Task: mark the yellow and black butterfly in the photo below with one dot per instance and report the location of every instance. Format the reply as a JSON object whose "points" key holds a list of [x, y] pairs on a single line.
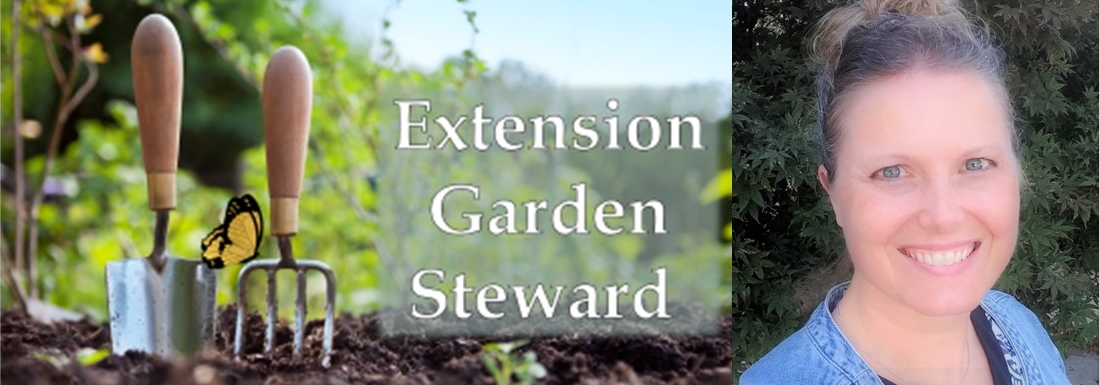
{"points": [[238, 237]]}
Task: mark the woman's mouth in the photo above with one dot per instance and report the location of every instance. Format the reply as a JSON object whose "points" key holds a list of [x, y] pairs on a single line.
{"points": [[941, 257]]}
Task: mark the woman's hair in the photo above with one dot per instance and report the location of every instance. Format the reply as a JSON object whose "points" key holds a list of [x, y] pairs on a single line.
{"points": [[872, 39]]}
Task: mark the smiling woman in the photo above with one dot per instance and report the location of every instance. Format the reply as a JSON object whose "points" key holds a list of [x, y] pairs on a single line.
{"points": [[921, 166], [899, 190]]}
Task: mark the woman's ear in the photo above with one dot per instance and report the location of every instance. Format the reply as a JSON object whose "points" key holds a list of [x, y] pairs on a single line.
{"points": [[822, 177]]}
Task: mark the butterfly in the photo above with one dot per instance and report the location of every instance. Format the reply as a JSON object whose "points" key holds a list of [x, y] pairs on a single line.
{"points": [[238, 237]]}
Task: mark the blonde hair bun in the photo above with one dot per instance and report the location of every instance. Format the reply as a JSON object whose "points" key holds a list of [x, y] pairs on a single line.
{"points": [[829, 33]]}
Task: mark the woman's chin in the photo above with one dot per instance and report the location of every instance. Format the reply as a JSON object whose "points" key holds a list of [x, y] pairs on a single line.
{"points": [[945, 303]]}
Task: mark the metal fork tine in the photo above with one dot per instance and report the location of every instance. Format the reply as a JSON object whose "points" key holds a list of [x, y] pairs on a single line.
{"points": [[301, 267], [329, 314], [299, 318], [272, 308], [329, 305], [242, 307]]}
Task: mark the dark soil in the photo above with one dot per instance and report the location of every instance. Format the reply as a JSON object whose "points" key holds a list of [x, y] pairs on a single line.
{"points": [[360, 356]]}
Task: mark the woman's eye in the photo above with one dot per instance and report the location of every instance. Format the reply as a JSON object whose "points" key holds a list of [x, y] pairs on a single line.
{"points": [[977, 164], [891, 172]]}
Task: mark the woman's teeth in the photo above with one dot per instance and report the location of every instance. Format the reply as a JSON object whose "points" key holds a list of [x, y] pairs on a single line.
{"points": [[941, 258]]}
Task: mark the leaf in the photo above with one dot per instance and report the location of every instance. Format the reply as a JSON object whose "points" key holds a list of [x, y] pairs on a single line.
{"points": [[56, 361], [490, 363], [89, 357], [95, 54], [628, 247], [53, 12], [470, 16], [85, 24], [530, 369], [757, 197], [720, 186]]}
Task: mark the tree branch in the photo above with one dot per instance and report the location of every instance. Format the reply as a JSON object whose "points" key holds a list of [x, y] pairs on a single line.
{"points": [[60, 40], [10, 280], [89, 83], [51, 51], [16, 285], [65, 106]]}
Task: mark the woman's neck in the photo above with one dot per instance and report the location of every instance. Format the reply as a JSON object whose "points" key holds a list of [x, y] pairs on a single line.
{"points": [[897, 340], [882, 313]]}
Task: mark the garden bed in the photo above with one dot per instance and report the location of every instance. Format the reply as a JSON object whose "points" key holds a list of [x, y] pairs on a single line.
{"points": [[34, 353]]}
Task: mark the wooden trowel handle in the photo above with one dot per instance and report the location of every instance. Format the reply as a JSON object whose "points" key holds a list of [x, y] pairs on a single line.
{"points": [[157, 61], [287, 103]]}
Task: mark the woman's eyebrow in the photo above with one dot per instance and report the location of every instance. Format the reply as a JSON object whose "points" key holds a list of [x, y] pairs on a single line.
{"points": [[889, 156], [987, 149]]}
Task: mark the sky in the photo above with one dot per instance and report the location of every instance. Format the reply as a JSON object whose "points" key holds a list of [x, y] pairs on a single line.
{"points": [[573, 42]]}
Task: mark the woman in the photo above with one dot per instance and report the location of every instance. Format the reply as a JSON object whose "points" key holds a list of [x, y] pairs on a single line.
{"points": [[921, 165]]}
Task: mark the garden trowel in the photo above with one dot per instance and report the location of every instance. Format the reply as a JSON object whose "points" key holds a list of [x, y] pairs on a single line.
{"points": [[159, 304]]}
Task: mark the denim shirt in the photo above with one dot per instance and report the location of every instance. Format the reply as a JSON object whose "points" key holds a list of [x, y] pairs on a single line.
{"points": [[819, 354]]}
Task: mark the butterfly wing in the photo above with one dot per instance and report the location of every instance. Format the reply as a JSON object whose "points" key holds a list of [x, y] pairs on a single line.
{"points": [[213, 245], [244, 231], [237, 239]]}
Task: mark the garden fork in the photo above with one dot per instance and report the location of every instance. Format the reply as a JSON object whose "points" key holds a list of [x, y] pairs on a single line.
{"points": [[287, 100]]}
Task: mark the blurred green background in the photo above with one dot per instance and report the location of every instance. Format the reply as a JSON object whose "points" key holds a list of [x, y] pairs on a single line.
{"points": [[93, 206]]}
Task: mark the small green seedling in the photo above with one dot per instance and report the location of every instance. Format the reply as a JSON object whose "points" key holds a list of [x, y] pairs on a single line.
{"points": [[53, 359], [85, 357], [89, 357], [502, 363]]}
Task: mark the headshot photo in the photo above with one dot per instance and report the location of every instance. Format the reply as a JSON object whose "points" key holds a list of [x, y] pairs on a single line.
{"points": [[915, 192]]}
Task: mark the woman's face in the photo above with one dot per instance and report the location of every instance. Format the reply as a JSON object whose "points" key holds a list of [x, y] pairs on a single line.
{"points": [[926, 189]]}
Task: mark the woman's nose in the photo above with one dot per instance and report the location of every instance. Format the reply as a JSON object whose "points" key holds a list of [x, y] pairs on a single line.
{"points": [[941, 210]]}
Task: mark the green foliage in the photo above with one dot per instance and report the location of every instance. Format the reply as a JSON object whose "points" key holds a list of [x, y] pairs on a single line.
{"points": [[107, 218], [83, 357], [102, 215], [504, 364], [1053, 48], [719, 187], [89, 357], [786, 243], [784, 229], [55, 360]]}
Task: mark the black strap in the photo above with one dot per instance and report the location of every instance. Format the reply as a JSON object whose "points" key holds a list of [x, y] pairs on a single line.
{"points": [[997, 363]]}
